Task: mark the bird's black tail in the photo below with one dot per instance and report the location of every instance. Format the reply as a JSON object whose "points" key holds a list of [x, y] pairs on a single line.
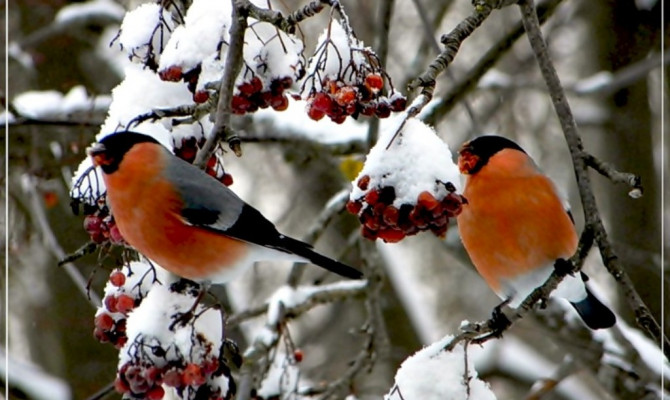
{"points": [[304, 250], [595, 314]]}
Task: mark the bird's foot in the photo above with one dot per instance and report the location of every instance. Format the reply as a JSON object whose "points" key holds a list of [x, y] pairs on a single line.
{"points": [[499, 321], [563, 267]]}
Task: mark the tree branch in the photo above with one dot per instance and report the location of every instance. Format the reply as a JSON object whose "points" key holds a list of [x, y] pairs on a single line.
{"points": [[234, 59], [475, 73]]}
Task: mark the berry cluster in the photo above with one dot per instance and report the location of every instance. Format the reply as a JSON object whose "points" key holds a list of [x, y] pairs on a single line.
{"points": [[189, 149], [338, 100], [141, 379], [110, 321], [101, 227], [251, 95], [380, 218]]}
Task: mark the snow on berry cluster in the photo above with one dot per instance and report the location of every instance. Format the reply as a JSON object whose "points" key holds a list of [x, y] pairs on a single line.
{"points": [[344, 78], [125, 289], [408, 184], [166, 351]]}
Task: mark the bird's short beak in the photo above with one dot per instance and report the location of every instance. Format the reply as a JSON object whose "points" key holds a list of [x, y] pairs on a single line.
{"points": [[466, 160], [96, 152]]}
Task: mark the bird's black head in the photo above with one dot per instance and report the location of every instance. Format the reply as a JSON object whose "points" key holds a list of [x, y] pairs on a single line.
{"points": [[474, 154], [109, 151]]}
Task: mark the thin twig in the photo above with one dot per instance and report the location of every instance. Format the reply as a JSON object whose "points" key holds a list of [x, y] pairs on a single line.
{"points": [[608, 171], [452, 42], [644, 318], [475, 73], [382, 48]]}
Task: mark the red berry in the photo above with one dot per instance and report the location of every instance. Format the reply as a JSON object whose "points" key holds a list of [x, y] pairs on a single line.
{"points": [[111, 303], [314, 113], [279, 103], [263, 99], [211, 163], [125, 303], [372, 197], [391, 215], [253, 86], [297, 355], [391, 235], [171, 74], [256, 84], [187, 152], [201, 96], [399, 104], [383, 109], [354, 207], [345, 96], [322, 102], [120, 342], [115, 234], [100, 335], [240, 105], [368, 233], [192, 375], [104, 321], [98, 237], [92, 224], [155, 393], [368, 109], [363, 182], [117, 278], [227, 179], [210, 366], [153, 374], [453, 204], [172, 378], [338, 118], [427, 201], [374, 82]]}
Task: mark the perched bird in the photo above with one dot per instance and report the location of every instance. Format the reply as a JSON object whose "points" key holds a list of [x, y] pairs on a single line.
{"points": [[185, 220], [515, 226]]}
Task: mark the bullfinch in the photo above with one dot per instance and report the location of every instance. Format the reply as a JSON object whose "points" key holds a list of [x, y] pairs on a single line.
{"points": [[515, 226], [185, 220]]}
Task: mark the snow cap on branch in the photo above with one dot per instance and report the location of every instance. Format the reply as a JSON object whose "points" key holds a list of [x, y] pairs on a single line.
{"points": [[435, 374]]}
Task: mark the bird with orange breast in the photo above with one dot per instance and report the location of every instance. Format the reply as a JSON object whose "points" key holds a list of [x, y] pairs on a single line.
{"points": [[185, 220], [515, 226]]}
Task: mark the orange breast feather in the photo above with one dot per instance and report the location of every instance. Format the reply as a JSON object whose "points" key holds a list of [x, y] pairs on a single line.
{"points": [[513, 224], [148, 213]]}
